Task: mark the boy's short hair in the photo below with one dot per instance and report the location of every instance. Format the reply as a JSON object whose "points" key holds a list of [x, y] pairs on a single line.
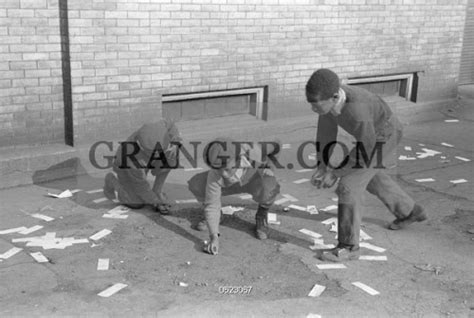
{"points": [[323, 83], [220, 153]]}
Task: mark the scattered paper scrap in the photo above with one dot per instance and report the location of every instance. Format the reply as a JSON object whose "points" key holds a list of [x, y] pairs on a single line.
{"points": [[462, 159], [446, 144], [281, 201], [335, 199], [62, 195], [272, 219], [331, 266], [333, 228], [403, 157], [187, 201], [317, 290], [183, 284], [330, 221], [42, 217], [112, 290], [313, 316], [97, 236], [364, 236], [427, 153], [408, 148], [229, 210], [451, 120], [39, 257], [457, 181], [290, 197], [367, 289], [50, 241], [319, 245], [95, 191], [329, 208], [193, 169], [425, 180], [372, 247], [245, 196], [31, 229], [117, 212], [115, 216], [10, 252], [429, 268], [312, 209], [14, 230], [286, 146], [100, 200], [103, 264], [304, 170], [75, 191], [310, 233], [373, 257], [297, 207], [300, 181]]}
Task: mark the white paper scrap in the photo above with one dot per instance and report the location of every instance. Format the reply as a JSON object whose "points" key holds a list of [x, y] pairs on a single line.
{"points": [[373, 257], [119, 210], [290, 197], [319, 244], [329, 208], [402, 157], [304, 170], [112, 290], [462, 159], [458, 181], [39, 257], [446, 144], [451, 120], [312, 209], [103, 264], [425, 180], [335, 199], [100, 200], [297, 207], [317, 290], [115, 216], [187, 201], [408, 148], [14, 230], [286, 146], [272, 219], [183, 284], [42, 217], [310, 233], [427, 153], [366, 288], [330, 221], [364, 236], [75, 191], [281, 201], [62, 195], [97, 236], [333, 228], [229, 210], [10, 252], [31, 229], [313, 316], [300, 181], [331, 266], [372, 247], [95, 191]]}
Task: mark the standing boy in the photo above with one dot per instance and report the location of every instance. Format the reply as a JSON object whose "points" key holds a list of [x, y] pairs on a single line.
{"points": [[371, 122], [153, 148], [235, 168]]}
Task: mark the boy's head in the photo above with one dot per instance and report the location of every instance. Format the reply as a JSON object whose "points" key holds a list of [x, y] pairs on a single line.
{"points": [[221, 154], [322, 90]]}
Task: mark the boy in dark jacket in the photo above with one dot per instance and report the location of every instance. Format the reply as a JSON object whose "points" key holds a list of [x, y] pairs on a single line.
{"points": [[235, 168], [153, 148], [371, 122]]}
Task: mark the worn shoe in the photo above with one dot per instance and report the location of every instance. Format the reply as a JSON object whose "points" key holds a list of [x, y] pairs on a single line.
{"points": [[416, 215], [261, 223], [341, 253], [109, 186]]}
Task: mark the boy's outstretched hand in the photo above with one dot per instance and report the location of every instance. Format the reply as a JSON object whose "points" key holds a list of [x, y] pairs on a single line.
{"points": [[213, 246], [323, 178]]}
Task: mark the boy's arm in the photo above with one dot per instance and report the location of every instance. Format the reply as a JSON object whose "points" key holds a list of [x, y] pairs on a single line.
{"points": [[326, 134], [212, 202], [142, 187]]}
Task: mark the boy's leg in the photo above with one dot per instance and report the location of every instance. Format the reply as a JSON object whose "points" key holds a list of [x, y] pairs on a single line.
{"points": [[160, 179], [125, 197], [264, 190], [396, 200], [197, 185]]}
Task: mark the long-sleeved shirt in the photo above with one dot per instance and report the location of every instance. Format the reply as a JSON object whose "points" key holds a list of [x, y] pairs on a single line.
{"points": [[365, 116], [215, 183]]}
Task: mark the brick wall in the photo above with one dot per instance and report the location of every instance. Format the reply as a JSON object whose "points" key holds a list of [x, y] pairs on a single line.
{"points": [[126, 53], [31, 109]]}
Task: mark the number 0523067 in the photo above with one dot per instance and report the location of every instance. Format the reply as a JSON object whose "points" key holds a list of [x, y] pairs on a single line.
{"points": [[244, 290]]}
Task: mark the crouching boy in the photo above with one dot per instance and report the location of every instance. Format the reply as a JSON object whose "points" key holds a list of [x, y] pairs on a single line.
{"points": [[235, 168], [153, 148]]}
